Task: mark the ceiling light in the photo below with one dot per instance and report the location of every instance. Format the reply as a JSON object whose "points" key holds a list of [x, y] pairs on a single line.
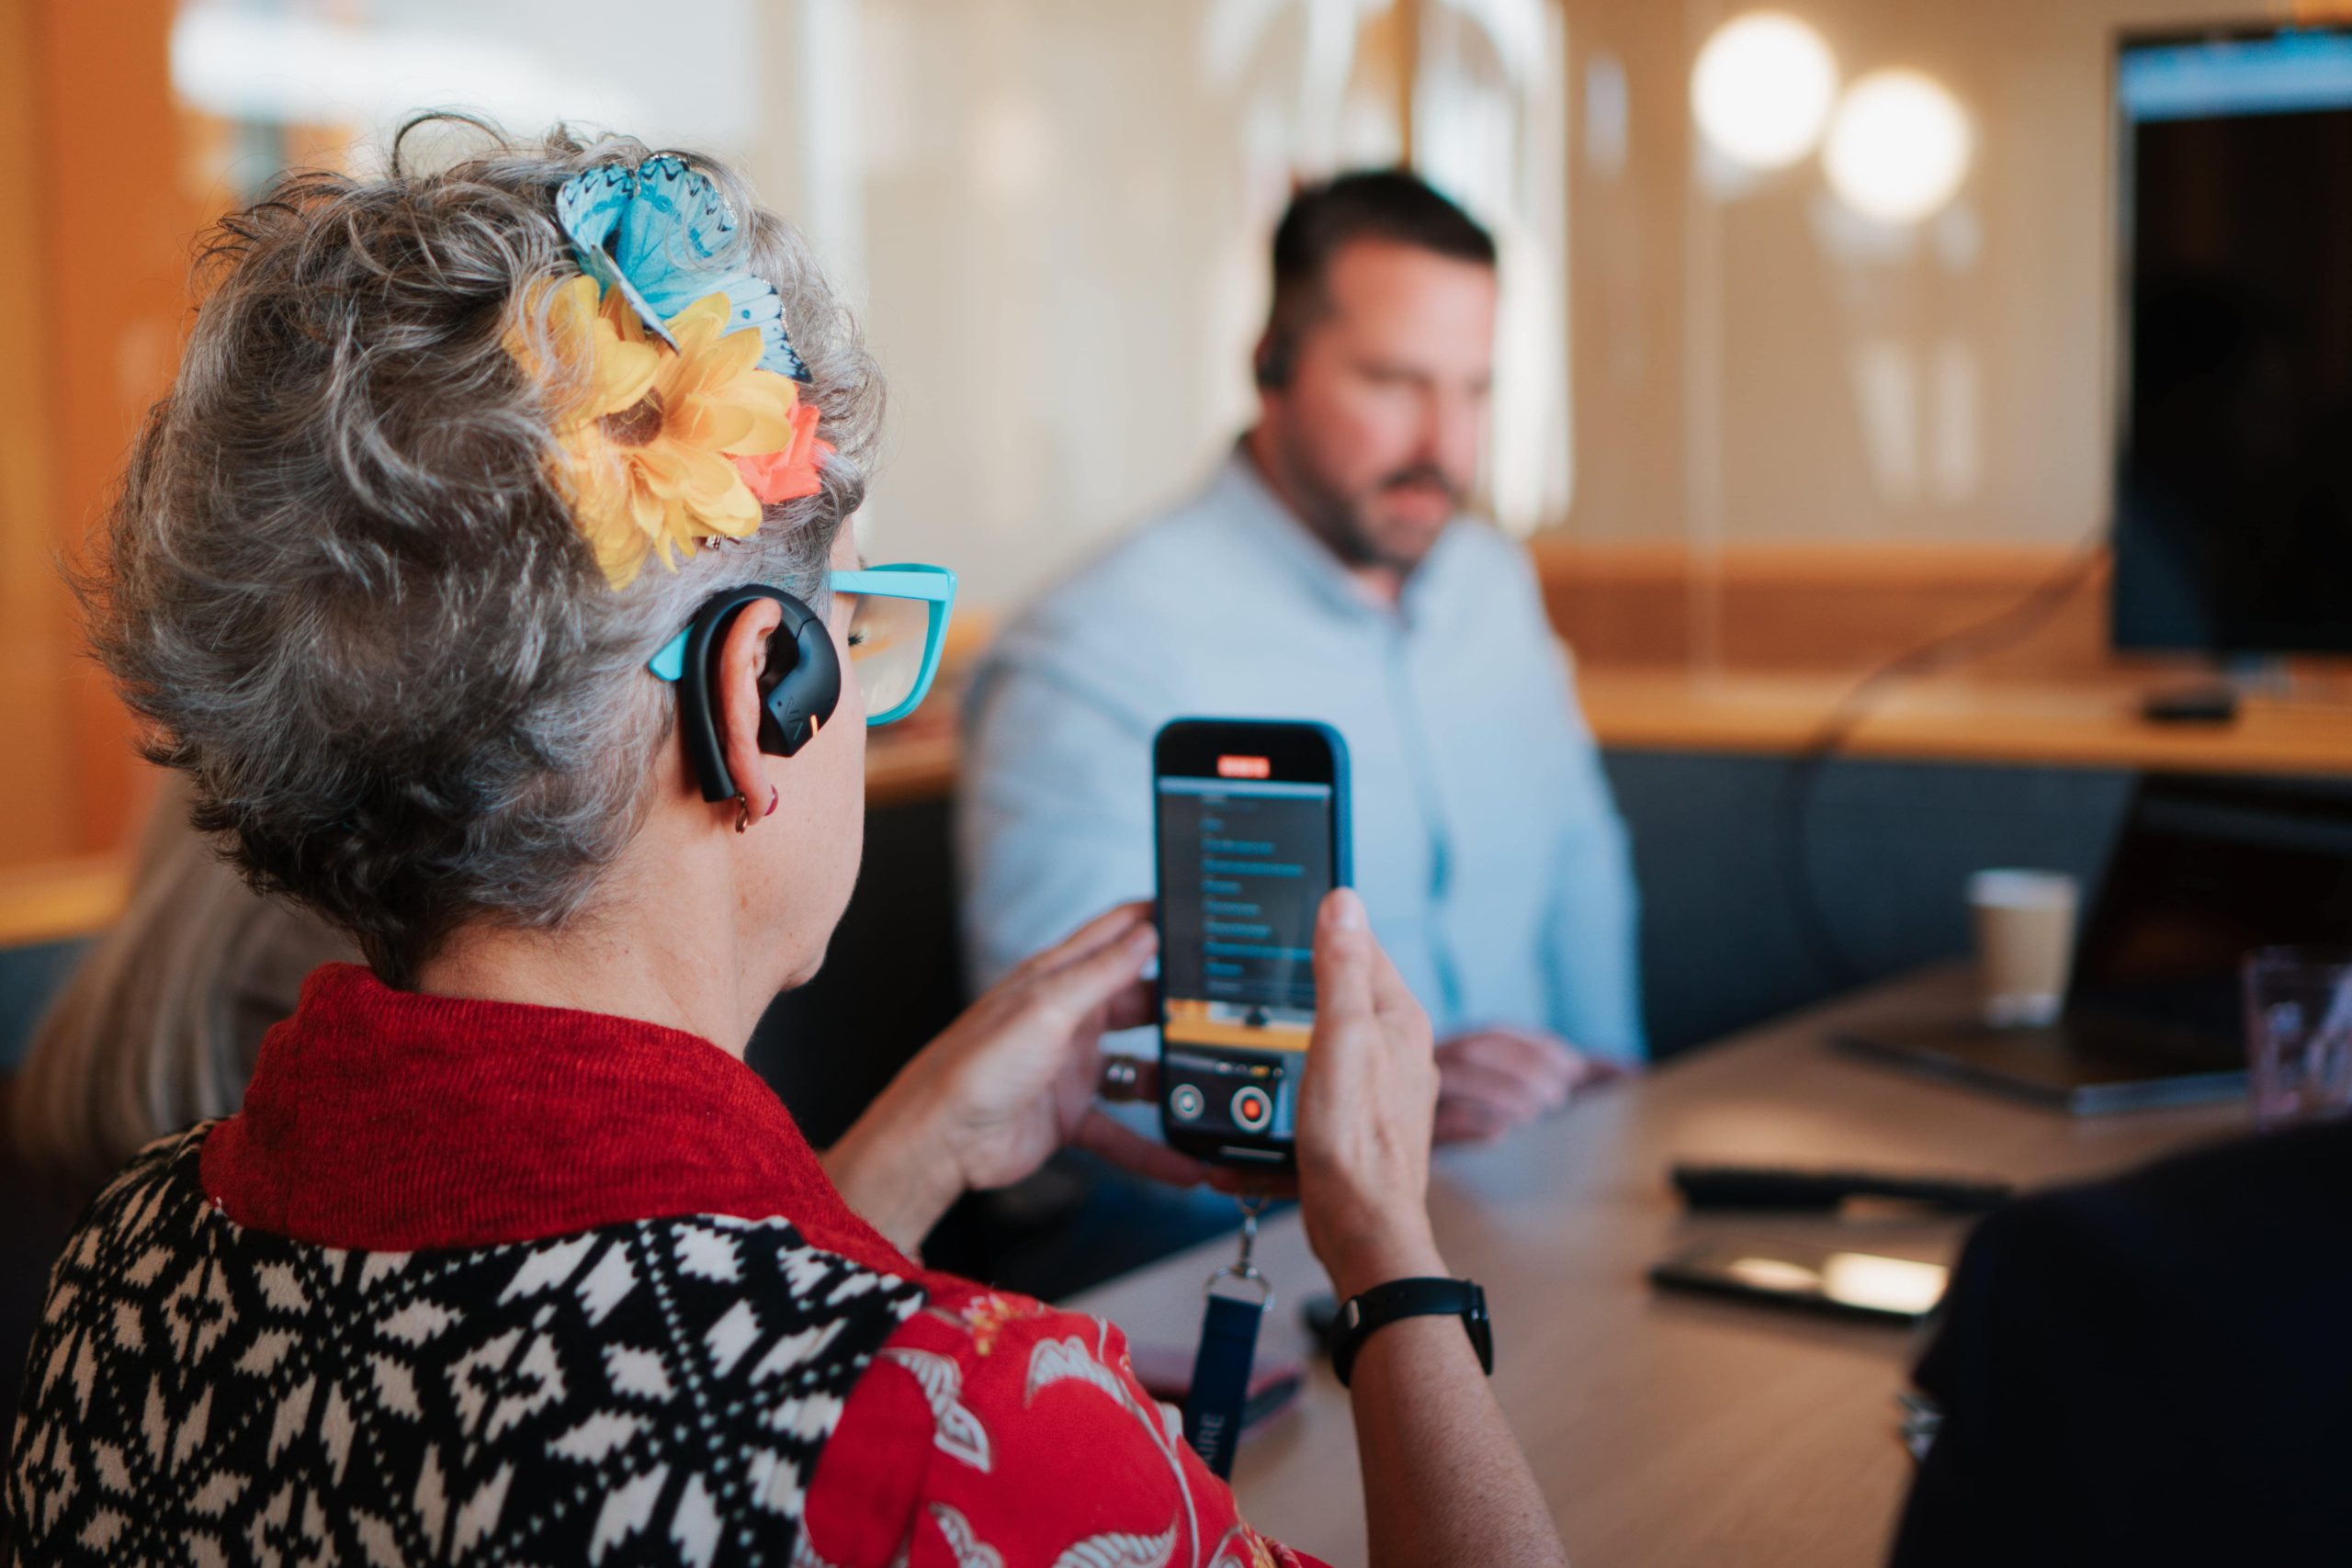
{"points": [[1899, 147], [1762, 89]]}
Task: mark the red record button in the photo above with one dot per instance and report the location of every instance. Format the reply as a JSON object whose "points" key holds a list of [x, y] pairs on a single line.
{"points": [[1252, 1109]]}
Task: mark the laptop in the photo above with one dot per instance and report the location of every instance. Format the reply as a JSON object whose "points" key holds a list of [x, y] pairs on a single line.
{"points": [[2205, 870]]}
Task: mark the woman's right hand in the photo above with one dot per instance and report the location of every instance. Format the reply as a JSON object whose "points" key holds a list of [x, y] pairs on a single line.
{"points": [[1367, 1099], [1445, 1482]]}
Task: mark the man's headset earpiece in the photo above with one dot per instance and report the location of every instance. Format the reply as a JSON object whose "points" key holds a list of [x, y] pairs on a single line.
{"points": [[1273, 368], [798, 690]]}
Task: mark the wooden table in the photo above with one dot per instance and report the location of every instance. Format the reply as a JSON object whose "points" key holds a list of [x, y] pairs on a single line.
{"points": [[1668, 1430], [2080, 722]]}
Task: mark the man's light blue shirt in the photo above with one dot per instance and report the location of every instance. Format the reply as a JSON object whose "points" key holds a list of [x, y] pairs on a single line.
{"points": [[1487, 849]]}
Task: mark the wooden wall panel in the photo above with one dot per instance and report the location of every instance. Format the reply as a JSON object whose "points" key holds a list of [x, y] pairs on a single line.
{"points": [[113, 225], [35, 794], [1818, 608]]}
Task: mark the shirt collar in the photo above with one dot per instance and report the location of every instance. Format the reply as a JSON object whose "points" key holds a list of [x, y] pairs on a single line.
{"points": [[386, 1121], [1241, 489]]}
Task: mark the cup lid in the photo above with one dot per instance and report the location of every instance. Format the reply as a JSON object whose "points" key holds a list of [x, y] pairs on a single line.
{"points": [[2006, 885]]}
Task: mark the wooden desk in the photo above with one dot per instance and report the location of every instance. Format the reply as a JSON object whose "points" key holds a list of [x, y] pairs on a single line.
{"points": [[1665, 1430], [2081, 722]]}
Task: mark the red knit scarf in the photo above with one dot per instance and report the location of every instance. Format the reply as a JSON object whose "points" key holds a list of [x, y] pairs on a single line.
{"points": [[385, 1121]]}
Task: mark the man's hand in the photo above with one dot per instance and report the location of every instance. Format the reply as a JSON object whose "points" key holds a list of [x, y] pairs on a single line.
{"points": [[1009, 1083], [1495, 1081]]}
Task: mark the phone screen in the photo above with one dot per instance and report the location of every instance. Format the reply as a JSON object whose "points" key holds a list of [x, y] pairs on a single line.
{"points": [[1249, 818], [1828, 1277]]}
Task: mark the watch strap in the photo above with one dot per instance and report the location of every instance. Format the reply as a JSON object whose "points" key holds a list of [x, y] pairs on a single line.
{"points": [[1362, 1316]]}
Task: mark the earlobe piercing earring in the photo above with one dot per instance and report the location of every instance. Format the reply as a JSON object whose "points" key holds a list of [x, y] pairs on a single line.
{"points": [[743, 809]]}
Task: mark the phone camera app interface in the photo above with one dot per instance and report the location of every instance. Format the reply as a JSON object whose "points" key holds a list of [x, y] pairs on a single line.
{"points": [[1244, 863]]}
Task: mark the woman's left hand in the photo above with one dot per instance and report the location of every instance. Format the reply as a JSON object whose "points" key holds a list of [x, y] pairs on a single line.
{"points": [[1009, 1083]]}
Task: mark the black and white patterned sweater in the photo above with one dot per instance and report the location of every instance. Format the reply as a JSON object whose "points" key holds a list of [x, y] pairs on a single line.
{"points": [[655, 1390]]}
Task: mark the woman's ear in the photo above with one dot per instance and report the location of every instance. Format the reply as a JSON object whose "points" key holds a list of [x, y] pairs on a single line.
{"points": [[742, 659]]}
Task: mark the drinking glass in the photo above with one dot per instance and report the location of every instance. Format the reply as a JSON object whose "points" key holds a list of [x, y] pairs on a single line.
{"points": [[2299, 1033]]}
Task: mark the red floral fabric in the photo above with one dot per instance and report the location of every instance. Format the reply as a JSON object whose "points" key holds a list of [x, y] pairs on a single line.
{"points": [[991, 1432], [1032, 1443]]}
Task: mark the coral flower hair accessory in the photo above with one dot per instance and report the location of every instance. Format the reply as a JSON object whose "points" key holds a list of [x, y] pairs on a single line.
{"points": [[791, 473], [673, 428]]}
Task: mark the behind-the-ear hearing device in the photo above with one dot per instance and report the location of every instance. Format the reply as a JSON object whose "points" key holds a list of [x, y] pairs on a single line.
{"points": [[798, 690], [1273, 368]]}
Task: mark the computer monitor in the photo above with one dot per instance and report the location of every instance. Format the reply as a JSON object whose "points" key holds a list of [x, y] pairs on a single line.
{"points": [[2234, 490]]}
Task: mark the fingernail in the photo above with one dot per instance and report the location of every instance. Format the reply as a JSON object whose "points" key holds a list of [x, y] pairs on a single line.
{"points": [[1347, 909], [775, 795], [1144, 936]]}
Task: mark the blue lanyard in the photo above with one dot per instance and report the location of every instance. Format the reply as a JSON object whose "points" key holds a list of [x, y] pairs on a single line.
{"points": [[1238, 1298]]}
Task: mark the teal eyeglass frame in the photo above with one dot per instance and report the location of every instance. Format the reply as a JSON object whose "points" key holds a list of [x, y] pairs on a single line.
{"points": [[934, 585]]}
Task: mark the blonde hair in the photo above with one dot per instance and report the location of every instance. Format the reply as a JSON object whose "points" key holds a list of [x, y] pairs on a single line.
{"points": [[158, 1026]]}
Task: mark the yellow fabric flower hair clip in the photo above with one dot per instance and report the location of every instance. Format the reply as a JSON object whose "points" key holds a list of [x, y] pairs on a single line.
{"points": [[681, 416]]}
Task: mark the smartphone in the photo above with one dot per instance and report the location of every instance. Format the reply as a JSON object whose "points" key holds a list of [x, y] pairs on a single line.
{"points": [[1818, 1278], [1251, 825]]}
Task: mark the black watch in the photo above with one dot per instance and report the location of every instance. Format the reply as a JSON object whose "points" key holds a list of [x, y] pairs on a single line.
{"points": [[1383, 1304]]}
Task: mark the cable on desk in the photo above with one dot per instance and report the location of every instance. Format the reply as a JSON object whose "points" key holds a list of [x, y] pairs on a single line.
{"points": [[1946, 651]]}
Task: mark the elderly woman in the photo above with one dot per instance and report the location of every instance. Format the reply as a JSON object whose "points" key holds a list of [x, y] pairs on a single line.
{"points": [[485, 574]]}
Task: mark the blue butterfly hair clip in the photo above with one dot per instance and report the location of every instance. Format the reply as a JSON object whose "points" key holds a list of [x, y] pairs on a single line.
{"points": [[656, 232]]}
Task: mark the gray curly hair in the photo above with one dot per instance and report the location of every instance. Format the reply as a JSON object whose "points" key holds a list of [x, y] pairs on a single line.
{"points": [[341, 589]]}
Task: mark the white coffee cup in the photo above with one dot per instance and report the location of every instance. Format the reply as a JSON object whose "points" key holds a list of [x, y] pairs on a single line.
{"points": [[2024, 944]]}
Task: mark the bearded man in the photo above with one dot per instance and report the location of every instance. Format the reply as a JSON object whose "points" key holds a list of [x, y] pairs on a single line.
{"points": [[1329, 571]]}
